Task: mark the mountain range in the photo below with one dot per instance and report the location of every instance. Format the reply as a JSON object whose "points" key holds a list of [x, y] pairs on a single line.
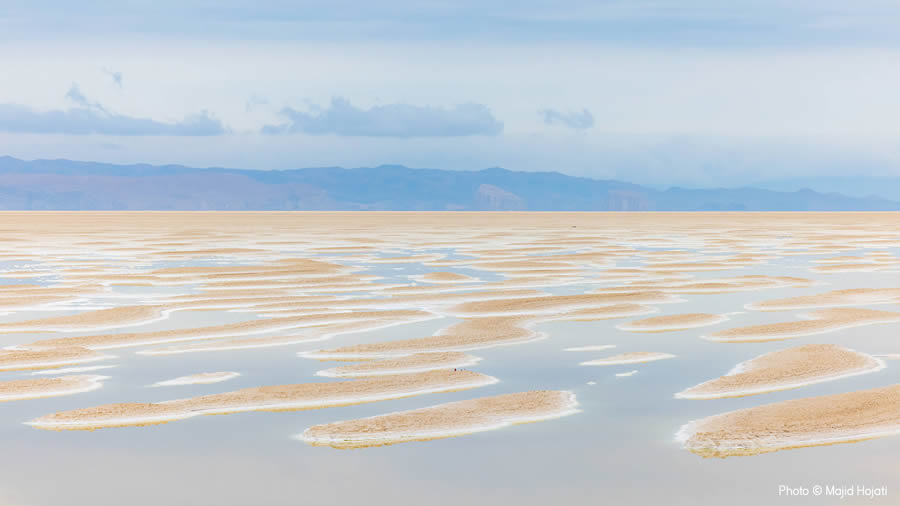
{"points": [[74, 185]]}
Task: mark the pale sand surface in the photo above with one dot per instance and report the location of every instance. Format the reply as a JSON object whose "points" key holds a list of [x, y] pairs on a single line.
{"points": [[835, 298], [470, 334], [268, 266], [17, 390], [203, 378], [725, 285], [71, 370], [693, 266], [97, 342], [17, 359], [443, 297], [786, 369], [818, 322], [405, 259], [856, 267], [444, 420], [309, 334], [417, 362], [265, 398], [447, 277], [796, 423], [626, 374], [667, 323], [635, 357], [605, 312], [90, 320], [553, 303], [519, 265], [593, 347]]}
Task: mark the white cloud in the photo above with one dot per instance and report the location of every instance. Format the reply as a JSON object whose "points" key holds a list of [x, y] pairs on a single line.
{"points": [[391, 120]]}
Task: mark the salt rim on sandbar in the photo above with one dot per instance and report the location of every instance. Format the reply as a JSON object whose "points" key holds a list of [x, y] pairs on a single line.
{"points": [[203, 378], [634, 357], [418, 362], [444, 420], [591, 347], [812, 421], [266, 398], [784, 370]]}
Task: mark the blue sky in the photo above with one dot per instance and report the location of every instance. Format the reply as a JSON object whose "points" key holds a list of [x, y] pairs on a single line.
{"points": [[692, 92]]}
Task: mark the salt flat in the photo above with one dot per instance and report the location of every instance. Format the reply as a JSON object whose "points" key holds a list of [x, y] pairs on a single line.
{"points": [[381, 308]]}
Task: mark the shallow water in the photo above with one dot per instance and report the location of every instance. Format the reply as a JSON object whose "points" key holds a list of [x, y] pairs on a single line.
{"points": [[620, 449]]}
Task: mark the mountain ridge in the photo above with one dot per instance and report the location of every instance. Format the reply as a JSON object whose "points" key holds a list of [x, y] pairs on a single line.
{"points": [[77, 185]]}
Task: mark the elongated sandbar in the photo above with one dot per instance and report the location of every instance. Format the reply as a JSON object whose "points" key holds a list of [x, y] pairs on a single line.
{"points": [[265, 398], [444, 420], [786, 369]]}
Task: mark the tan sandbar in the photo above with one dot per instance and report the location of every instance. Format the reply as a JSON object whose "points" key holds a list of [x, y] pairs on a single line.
{"points": [[589, 314], [817, 322], [417, 362], [796, 423], [48, 387], [265, 398], [17, 359], [554, 303], [90, 320], [835, 298], [446, 277], [469, 334], [786, 369], [668, 323], [444, 420]]}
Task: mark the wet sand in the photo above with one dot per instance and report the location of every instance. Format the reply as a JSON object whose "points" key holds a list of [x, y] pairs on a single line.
{"points": [[266, 398], [786, 369], [444, 420], [796, 423]]}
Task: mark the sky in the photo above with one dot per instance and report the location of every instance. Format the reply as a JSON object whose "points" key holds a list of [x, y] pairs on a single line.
{"points": [[687, 92]]}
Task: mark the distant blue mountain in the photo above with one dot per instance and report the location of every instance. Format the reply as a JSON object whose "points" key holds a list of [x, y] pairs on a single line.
{"points": [[72, 185], [854, 186]]}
